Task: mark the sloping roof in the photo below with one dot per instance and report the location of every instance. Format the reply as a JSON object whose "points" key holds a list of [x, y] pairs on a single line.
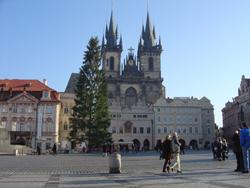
{"points": [[20, 85], [72, 83], [12, 88]]}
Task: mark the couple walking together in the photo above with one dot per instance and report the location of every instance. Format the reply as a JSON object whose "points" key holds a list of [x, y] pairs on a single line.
{"points": [[171, 151]]}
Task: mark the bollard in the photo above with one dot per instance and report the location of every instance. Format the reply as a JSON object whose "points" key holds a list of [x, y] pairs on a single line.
{"points": [[115, 163]]}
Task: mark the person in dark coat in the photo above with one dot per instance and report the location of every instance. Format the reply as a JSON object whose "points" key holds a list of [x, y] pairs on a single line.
{"points": [[166, 153], [38, 149], [237, 151], [54, 149]]}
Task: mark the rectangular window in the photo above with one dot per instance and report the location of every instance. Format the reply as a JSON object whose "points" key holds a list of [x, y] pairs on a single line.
{"points": [[113, 130], [121, 130], [165, 130], [159, 130], [159, 119], [22, 110], [49, 109], [158, 109], [139, 116], [65, 127], [208, 131], [134, 130], [28, 128], [13, 126], [2, 124], [148, 130], [134, 116], [190, 130], [145, 116], [30, 109], [66, 110], [4, 108], [14, 109], [141, 130], [196, 130]]}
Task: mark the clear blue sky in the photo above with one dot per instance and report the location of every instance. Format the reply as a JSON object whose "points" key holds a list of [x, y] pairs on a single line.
{"points": [[206, 42]]}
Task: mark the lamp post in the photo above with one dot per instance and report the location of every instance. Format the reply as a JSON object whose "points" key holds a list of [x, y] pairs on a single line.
{"points": [[153, 133]]}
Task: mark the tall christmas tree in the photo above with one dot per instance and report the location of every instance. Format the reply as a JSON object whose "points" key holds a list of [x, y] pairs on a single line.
{"points": [[90, 119]]}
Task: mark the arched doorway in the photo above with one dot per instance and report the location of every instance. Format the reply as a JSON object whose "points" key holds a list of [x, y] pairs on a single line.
{"points": [[137, 145], [146, 145], [193, 144], [20, 141]]}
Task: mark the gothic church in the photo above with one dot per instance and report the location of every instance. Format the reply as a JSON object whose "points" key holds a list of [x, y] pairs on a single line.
{"points": [[134, 85]]}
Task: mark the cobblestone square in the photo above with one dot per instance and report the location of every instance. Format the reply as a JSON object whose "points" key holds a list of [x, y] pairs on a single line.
{"points": [[138, 170]]}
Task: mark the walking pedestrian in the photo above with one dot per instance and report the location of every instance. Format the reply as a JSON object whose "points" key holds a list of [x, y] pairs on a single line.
{"points": [[38, 149], [176, 152], [54, 150], [166, 153], [245, 146]]}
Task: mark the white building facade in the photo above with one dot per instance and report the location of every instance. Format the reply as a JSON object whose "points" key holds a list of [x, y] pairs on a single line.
{"points": [[191, 118]]}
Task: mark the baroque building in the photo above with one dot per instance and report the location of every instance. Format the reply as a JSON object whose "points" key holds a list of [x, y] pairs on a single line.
{"points": [[191, 118], [238, 111], [29, 113]]}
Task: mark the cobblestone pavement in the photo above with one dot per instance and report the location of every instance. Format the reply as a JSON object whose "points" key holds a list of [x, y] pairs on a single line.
{"points": [[138, 170]]}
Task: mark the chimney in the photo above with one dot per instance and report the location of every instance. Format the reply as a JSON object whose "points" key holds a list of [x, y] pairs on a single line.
{"points": [[45, 82]]}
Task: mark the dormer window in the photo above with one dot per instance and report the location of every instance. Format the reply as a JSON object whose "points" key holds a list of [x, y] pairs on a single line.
{"points": [[46, 94]]}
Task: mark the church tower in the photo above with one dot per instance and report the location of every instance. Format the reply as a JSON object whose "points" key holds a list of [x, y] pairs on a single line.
{"points": [[111, 50], [149, 52]]}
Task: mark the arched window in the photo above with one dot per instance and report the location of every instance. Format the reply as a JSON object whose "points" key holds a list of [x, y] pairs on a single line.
{"points": [[150, 64], [111, 63], [130, 97]]}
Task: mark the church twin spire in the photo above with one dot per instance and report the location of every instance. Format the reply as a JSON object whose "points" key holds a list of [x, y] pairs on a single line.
{"points": [[148, 37], [147, 40], [111, 35]]}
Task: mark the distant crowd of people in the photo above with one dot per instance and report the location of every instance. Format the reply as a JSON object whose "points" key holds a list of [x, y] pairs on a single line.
{"points": [[220, 149], [52, 150]]}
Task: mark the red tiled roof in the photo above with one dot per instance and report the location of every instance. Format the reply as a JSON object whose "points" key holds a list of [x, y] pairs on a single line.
{"points": [[11, 88], [19, 85]]}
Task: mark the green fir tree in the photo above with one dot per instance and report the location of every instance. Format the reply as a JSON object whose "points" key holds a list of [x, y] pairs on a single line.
{"points": [[90, 119]]}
